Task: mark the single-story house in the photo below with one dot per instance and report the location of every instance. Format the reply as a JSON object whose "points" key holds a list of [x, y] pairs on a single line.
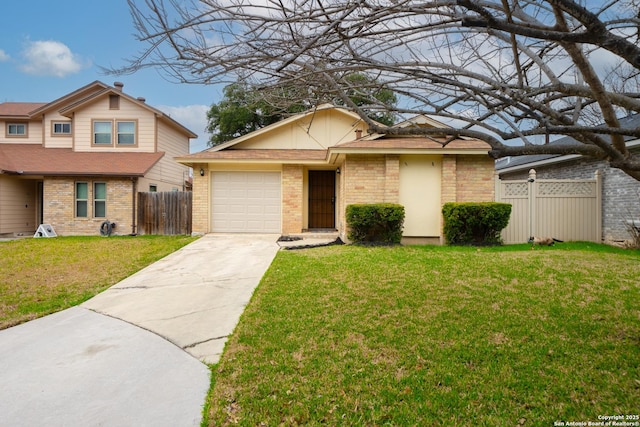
{"points": [[299, 174], [620, 192], [81, 159]]}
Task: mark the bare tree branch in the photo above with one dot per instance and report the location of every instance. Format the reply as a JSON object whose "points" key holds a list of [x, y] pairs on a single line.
{"points": [[515, 73]]}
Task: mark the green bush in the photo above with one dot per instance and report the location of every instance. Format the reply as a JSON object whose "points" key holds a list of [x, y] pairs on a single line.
{"points": [[475, 223], [378, 223]]}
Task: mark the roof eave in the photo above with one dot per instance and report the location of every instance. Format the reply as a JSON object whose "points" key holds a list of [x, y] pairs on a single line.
{"points": [[353, 150]]}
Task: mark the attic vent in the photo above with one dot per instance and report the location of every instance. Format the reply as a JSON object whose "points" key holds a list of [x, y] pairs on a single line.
{"points": [[118, 86], [141, 99], [114, 102]]}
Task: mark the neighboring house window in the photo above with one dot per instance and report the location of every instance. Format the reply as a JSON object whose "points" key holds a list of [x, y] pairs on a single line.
{"points": [[102, 133], [126, 133], [114, 102], [82, 199], [62, 128], [17, 129], [100, 199], [153, 188]]}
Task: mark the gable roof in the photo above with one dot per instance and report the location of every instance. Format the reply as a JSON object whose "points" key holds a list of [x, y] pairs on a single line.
{"points": [[19, 109], [80, 93], [34, 159], [109, 90], [518, 163], [282, 123], [372, 143], [83, 96]]}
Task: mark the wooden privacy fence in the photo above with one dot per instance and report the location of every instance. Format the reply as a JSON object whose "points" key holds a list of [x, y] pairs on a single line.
{"points": [[165, 213], [566, 209]]}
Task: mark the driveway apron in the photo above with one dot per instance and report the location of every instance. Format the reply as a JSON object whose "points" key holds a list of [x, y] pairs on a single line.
{"points": [[133, 354], [195, 296]]}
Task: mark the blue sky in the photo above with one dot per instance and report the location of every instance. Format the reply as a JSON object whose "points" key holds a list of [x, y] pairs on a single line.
{"points": [[50, 48]]}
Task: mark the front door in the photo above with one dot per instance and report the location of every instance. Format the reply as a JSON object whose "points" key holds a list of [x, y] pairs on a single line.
{"points": [[322, 199]]}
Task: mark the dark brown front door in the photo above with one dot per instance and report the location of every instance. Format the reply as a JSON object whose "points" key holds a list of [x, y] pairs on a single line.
{"points": [[322, 199]]}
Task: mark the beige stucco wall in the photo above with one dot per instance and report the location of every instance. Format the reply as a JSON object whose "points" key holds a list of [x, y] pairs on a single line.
{"points": [[59, 206]]}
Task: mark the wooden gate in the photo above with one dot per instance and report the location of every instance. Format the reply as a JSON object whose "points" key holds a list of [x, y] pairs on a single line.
{"points": [[566, 209], [165, 213]]}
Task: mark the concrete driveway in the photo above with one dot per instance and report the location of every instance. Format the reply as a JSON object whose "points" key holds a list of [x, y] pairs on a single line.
{"points": [[133, 355]]}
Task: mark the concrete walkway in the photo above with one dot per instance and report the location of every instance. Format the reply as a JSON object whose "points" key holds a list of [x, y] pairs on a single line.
{"points": [[130, 356]]}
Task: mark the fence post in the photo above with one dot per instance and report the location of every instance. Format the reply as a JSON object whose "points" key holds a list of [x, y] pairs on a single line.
{"points": [[531, 189], [598, 177]]}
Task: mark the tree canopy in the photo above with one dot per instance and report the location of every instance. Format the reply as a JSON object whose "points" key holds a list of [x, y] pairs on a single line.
{"points": [[245, 108], [515, 73]]}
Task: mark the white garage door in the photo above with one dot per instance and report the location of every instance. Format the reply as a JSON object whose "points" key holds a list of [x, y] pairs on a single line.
{"points": [[246, 202]]}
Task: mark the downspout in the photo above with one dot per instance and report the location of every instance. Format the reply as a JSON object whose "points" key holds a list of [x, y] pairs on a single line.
{"points": [[134, 190]]}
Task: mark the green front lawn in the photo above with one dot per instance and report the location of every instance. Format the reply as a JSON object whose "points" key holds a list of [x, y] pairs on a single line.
{"points": [[436, 336], [41, 276]]}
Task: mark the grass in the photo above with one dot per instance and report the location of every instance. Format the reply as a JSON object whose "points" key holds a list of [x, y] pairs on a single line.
{"points": [[435, 336], [42, 276]]}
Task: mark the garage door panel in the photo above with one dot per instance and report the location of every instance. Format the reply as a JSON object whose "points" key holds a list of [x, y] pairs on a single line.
{"points": [[246, 202]]}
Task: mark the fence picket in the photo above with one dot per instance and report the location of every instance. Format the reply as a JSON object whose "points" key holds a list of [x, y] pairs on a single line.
{"points": [[166, 213]]}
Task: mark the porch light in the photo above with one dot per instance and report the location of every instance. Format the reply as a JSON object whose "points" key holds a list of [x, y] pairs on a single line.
{"points": [[338, 171], [201, 172]]}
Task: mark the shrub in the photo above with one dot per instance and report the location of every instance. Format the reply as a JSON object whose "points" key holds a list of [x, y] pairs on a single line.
{"points": [[475, 223], [379, 223]]}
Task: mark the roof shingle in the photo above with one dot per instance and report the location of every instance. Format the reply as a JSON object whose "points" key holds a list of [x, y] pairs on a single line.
{"points": [[33, 159]]}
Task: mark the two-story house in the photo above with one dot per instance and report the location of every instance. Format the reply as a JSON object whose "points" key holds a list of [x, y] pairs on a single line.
{"points": [[81, 160]]}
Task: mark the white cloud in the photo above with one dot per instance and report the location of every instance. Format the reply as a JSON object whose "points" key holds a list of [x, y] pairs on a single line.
{"points": [[50, 58], [4, 56], [193, 117]]}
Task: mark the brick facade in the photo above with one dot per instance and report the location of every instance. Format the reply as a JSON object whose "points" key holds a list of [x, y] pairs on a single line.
{"points": [[201, 200], [292, 198], [474, 179], [376, 179], [59, 206]]}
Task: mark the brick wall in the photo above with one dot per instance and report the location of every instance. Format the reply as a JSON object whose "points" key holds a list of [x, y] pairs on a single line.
{"points": [[365, 179], [475, 180], [201, 202], [392, 181], [449, 182], [59, 206], [292, 198]]}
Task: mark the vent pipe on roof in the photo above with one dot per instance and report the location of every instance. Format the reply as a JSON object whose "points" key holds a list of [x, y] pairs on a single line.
{"points": [[141, 99], [118, 86]]}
